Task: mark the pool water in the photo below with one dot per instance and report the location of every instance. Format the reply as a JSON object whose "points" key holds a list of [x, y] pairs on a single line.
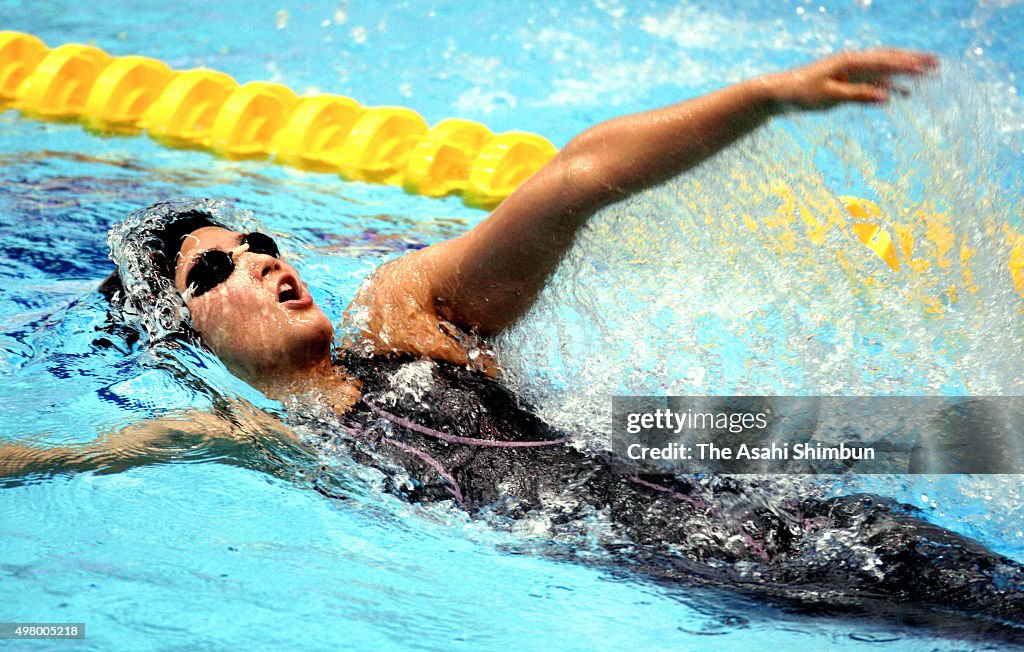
{"points": [[210, 546]]}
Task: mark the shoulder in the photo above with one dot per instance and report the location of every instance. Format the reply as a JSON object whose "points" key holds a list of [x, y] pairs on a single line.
{"points": [[396, 312]]}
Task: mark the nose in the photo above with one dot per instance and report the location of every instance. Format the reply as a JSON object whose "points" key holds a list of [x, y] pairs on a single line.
{"points": [[261, 265]]}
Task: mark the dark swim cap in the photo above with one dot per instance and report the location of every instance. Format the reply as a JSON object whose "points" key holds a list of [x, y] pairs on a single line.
{"points": [[145, 246]]}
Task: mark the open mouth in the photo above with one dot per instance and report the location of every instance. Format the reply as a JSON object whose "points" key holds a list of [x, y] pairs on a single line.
{"points": [[287, 292], [291, 293]]}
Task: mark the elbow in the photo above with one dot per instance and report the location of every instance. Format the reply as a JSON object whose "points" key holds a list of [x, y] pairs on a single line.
{"points": [[591, 174]]}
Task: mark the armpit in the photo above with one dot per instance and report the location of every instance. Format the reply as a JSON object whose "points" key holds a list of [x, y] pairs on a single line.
{"points": [[395, 312]]}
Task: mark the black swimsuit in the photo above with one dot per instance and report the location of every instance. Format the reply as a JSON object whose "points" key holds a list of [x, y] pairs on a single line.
{"points": [[441, 432]]}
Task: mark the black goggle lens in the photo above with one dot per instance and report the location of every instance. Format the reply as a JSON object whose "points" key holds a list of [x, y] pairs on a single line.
{"points": [[214, 266], [211, 269], [261, 243]]}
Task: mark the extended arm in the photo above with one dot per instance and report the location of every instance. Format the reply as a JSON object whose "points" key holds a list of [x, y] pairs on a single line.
{"points": [[486, 279], [144, 442]]}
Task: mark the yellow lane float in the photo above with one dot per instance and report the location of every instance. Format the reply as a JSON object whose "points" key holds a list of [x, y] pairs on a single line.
{"points": [[503, 164], [378, 146], [123, 90], [208, 109], [250, 117], [19, 56], [183, 115], [444, 156], [312, 138], [59, 85]]}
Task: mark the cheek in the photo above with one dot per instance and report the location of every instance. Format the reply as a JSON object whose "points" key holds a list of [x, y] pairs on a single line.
{"points": [[233, 311], [244, 323]]}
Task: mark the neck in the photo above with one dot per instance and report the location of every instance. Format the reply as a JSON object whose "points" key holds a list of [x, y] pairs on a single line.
{"points": [[323, 381]]}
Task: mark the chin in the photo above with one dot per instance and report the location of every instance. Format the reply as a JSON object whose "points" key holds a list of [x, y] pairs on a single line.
{"points": [[311, 347]]}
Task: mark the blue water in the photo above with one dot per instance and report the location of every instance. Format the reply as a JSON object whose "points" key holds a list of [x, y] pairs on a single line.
{"points": [[228, 547]]}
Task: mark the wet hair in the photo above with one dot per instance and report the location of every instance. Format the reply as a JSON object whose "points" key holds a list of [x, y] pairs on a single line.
{"points": [[165, 256], [145, 246]]}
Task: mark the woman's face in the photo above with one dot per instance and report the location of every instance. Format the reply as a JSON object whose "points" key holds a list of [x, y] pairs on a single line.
{"points": [[262, 319]]}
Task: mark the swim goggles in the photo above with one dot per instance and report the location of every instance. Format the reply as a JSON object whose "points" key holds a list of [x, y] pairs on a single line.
{"points": [[214, 266]]}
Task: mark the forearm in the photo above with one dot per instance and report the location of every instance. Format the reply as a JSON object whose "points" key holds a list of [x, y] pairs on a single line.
{"points": [[622, 156], [18, 461], [140, 443]]}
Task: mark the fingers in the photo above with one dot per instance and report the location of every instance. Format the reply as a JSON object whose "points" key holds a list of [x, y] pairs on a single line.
{"points": [[865, 76], [863, 93], [886, 82], [862, 77], [883, 62]]}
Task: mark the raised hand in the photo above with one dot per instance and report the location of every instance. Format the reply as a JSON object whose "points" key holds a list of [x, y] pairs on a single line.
{"points": [[863, 77]]}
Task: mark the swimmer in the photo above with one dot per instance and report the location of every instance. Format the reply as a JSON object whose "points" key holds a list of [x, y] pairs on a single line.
{"points": [[466, 439]]}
